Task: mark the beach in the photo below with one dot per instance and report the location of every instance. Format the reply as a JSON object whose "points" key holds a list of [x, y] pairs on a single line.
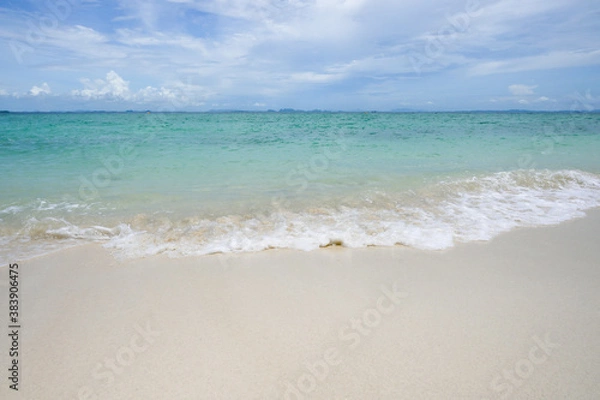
{"points": [[299, 200], [300, 255], [515, 317]]}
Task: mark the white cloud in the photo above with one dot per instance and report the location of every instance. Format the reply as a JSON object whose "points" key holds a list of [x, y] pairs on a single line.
{"points": [[37, 90], [136, 38], [584, 101], [521, 90], [552, 60], [175, 94], [113, 87], [3, 92], [241, 52], [80, 41], [312, 77], [145, 11]]}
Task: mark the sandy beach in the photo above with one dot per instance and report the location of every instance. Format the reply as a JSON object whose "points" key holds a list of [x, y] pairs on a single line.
{"points": [[300, 200], [517, 317]]}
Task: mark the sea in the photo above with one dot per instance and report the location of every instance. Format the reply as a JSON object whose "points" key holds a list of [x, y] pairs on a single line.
{"points": [[183, 184]]}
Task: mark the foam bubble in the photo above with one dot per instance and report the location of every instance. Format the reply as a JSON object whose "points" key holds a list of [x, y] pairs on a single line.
{"points": [[12, 210], [434, 217], [478, 208]]}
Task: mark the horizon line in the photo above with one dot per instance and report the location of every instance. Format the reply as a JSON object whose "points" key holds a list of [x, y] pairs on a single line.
{"points": [[292, 110]]}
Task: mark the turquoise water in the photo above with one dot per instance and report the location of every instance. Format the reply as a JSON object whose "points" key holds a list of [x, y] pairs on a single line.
{"points": [[182, 184]]}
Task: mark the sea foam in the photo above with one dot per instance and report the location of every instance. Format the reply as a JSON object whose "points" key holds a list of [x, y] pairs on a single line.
{"points": [[464, 210], [434, 217]]}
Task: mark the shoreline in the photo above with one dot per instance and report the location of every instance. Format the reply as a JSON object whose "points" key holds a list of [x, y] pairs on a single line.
{"points": [[432, 212], [514, 317]]}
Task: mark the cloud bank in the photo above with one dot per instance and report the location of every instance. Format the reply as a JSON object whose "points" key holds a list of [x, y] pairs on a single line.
{"points": [[334, 54]]}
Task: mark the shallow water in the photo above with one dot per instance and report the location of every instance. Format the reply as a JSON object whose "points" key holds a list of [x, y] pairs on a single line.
{"points": [[185, 184]]}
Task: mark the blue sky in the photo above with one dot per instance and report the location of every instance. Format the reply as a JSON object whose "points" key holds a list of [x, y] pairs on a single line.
{"points": [[326, 54]]}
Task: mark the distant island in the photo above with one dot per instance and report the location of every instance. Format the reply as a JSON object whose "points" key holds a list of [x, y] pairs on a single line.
{"points": [[315, 111]]}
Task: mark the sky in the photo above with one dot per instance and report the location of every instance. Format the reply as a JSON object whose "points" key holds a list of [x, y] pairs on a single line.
{"points": [[385, 55]]}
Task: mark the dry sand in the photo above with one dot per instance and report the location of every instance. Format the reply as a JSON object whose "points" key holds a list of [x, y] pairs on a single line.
{"points": [[517, 317]]}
